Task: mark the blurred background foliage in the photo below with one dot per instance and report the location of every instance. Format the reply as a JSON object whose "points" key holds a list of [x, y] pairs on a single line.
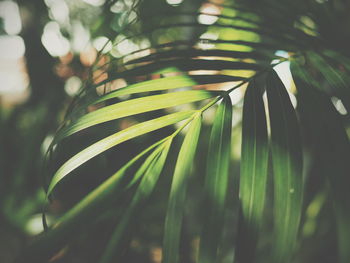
{"points": [[51, 50]]}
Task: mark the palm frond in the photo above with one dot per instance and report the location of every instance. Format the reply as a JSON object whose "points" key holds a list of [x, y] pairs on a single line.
{"points": [[173, 84]]}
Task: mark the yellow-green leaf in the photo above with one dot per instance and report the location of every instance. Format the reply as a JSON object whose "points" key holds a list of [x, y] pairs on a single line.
{"points": [[151, 171], [173, 221], [132, 107], [114, 140]]}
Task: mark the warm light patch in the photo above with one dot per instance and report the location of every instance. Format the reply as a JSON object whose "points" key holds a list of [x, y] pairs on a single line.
{"points": [[102, 44], [9, 12], [54, 42], [210, 14], [95, 2], [72, 86], [174, 2]]}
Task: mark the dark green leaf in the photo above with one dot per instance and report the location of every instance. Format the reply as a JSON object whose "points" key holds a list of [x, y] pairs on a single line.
{"points": [[253, 176], [216, 181], [82, 214], [332, 148], [287, 168]]}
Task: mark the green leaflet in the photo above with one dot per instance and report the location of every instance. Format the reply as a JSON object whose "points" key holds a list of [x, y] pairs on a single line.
{"points": [[287, 168], [165, 83], [132, 107], [114, 140], [177, 197], [151, 169], [254, 159], [145, 86], [216, 181]]}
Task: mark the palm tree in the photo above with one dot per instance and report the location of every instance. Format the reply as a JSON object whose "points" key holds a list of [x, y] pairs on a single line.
{"points": [[183, 93]]}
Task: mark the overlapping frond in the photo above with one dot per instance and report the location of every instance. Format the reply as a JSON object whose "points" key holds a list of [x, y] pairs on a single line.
{"points": [[176, 83]]}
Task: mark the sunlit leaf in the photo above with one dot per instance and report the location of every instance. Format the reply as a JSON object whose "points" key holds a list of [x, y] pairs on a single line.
{"points": [[152, 169], [113, 140], [173, 221], [134, 106], [216, 181], [166, 83], [287, 168]]}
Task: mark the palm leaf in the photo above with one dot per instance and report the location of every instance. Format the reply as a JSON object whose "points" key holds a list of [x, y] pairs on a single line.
{"points": [[151, 170], [173, 220], [253, 175], [216, 181], [165, 83], [133, 107], [287, 168], [114, 140]]}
